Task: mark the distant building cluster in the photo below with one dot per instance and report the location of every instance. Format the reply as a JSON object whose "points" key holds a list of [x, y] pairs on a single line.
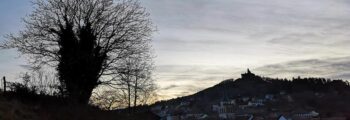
{"points": [[243, 108]]}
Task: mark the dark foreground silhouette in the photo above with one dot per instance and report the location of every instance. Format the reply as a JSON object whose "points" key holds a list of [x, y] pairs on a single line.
{"points": [[14, 106]]}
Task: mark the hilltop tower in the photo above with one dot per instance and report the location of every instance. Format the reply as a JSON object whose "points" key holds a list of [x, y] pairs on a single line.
{"points": [[248, 74]]}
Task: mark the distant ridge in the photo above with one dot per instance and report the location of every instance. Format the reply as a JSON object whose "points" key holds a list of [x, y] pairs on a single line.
{"points": [[327, 97], [254, 85]]}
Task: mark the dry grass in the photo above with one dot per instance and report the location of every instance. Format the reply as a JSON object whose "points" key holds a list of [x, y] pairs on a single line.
{"points": [[15, 109]]}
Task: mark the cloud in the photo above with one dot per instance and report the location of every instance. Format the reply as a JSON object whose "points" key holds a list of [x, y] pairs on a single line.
{"points": [[169, 87], [335, 68], [180, 90], [298, 39], [180, 80], [221, 32]]}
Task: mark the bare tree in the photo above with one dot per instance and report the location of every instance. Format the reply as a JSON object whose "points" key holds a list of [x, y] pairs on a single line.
{"points": [[135, 78], [83, 39], [109, 99], [133, 84], [44, 81], [143, 84]]}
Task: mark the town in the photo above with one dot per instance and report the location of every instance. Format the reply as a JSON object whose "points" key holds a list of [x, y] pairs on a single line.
{"points": [[277, 106]]}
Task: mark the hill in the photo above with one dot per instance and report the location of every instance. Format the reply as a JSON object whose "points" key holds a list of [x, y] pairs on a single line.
{"points": [[253, 95]]}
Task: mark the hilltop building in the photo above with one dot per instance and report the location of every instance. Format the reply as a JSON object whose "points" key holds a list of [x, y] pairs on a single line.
{"points": [[248, 74]]}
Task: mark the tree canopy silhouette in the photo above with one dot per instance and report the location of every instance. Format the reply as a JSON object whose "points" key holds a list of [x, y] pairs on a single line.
{"points": [[83, 39]]}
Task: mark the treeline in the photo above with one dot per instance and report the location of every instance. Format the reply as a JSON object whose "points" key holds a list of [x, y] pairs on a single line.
{"points": [[308, 84], [329, 97]]}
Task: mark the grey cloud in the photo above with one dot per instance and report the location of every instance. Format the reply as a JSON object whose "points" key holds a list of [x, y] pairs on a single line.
{"points": [[260, 25], [183, 94], [180, 80], [194, 70], [251, 30], [298, 39], [335, 68], [189, 89], [169, 87]]}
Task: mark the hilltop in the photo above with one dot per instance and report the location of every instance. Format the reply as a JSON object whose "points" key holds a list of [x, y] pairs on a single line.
{"points": [[263, 98]]}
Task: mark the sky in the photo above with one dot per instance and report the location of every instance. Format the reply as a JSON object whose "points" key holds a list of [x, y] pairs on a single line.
{"points": [[202, 42]]}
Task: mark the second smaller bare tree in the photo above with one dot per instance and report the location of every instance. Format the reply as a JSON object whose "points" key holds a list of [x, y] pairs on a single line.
{"points": [[133, 84]]}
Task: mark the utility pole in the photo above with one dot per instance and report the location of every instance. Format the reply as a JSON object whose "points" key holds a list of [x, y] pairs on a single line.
{"points": [[4, 80]]}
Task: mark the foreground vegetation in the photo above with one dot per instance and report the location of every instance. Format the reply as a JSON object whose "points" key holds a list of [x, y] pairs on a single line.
{"points": [[15, 106]]}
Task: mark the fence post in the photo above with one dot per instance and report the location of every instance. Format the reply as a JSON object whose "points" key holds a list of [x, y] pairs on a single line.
{"points": [[4, 80]]}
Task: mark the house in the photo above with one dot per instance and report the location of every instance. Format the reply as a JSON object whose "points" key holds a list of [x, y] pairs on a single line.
{"points": [[229, 102], [251, 117], [282, 118], [225, 106], [225, 109], [269, 96], [313, 113], [307, 115], [255, 103], [185, 103], [245, 99]]}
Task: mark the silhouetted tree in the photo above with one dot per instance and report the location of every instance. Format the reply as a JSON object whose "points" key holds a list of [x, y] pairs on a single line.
{"points": [[134, 78], [83, 39], [109, 99], [133, 84], [143, 83], [45, 81]]}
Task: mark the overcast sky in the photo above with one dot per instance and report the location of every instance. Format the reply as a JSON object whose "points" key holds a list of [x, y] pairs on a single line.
{"points": [[201, 42]]}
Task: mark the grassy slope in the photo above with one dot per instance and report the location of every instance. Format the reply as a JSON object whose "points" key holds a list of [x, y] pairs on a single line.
{"points": [[44, 109]]}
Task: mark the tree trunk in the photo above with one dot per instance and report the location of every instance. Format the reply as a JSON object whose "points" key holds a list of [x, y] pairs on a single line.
{"points": [[4, 84], [129, 91], [80, 63], [129, 96], [135, 92]]}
